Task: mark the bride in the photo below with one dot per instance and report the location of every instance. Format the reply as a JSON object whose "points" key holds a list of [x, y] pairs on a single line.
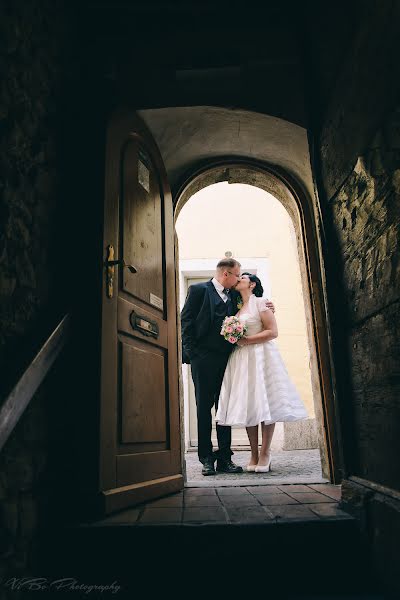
{"points": [[256, 387]]}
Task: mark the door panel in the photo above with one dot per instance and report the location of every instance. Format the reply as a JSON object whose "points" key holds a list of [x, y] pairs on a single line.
{"points": [[139, 421], [143, 413], [142, 224]]}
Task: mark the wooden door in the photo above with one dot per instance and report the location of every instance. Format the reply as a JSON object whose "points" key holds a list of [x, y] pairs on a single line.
{"points": [[139, 421], [239, 434]]}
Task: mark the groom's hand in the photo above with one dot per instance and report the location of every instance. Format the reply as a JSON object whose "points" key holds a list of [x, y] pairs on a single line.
{"points": [[270, 305]]}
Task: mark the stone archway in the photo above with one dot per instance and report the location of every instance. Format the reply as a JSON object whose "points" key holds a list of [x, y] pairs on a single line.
{"points": [[299, 207], [275, 156]]}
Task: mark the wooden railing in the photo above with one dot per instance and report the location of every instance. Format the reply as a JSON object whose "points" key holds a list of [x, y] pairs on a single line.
{"points": [[33, 376]]}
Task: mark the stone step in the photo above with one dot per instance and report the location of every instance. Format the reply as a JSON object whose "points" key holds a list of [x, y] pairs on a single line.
{"points": [[280, 558]]}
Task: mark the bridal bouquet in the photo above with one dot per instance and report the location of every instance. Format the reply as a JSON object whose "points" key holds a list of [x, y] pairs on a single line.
{"points": [[232, 329]]}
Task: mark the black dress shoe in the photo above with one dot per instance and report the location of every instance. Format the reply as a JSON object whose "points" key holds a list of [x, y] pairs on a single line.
{"points": [[208, 467], [227, 466]]}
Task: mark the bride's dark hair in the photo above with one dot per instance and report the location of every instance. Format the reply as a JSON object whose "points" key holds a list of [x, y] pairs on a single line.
{"points": [[258, 290]]}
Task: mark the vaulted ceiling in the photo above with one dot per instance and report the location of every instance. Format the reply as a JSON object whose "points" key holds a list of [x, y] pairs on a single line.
{"points": [[187, 137]]}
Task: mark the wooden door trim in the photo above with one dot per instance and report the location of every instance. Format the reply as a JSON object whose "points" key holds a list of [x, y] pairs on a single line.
{"points": [[129, 495]]}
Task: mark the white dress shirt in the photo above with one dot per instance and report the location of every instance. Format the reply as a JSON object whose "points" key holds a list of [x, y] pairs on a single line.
{"points": [[220, 289]]}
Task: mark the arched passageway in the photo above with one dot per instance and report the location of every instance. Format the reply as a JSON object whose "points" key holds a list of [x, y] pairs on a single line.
{"points": [[264, 179], [204, 145]]}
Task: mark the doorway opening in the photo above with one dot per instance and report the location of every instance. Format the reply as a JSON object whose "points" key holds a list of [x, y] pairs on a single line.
{"points": [[141, 397], [249, 214]]}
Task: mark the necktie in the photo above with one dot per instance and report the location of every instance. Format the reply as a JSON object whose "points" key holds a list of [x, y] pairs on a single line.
{"points": [[226, 291]]}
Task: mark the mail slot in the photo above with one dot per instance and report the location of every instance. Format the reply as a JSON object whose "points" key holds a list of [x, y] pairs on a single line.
{"points": [[145, 326]]}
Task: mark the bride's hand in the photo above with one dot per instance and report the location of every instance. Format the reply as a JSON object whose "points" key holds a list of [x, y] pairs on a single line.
{"points": [[270, 305], [242, 342]]}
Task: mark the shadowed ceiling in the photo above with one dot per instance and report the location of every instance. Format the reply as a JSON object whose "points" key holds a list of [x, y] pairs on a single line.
{"points": [[189, 136]]}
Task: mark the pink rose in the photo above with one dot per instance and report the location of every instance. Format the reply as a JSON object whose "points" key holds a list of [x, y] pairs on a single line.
{"points": [[229, 330], [239, 328], [232, 339]]}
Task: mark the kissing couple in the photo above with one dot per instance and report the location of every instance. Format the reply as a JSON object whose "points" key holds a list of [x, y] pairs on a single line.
{"points": [[247, 381]]}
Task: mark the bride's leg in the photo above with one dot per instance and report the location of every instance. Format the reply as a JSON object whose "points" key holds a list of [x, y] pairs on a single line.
{"points": [[267, 433], [252, 433]]}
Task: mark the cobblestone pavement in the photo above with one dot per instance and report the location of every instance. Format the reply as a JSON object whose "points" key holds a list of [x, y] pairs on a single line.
{"points": [[287, 466]]}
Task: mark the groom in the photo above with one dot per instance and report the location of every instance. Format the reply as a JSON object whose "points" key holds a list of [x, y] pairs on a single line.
{"points": [[206, 306]]}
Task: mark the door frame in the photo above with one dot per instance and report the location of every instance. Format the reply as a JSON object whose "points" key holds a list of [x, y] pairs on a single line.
{"points": [[306, 215]]}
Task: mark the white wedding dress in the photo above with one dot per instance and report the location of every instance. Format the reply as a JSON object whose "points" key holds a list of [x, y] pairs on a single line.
{"points": [[256, 387]]}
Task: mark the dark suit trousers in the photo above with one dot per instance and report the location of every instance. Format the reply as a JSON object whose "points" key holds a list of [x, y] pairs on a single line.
{"points": [[207, 374]]}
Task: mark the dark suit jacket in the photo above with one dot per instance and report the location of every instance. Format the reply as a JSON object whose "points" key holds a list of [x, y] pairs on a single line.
{"points": [[197, 316]]}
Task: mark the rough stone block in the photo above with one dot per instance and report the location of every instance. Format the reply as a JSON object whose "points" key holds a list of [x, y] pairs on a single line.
{"points": [[354, 494], [300, 435]]}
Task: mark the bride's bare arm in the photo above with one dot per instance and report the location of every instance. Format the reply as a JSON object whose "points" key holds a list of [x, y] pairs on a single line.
{"points": [[270, 331]]}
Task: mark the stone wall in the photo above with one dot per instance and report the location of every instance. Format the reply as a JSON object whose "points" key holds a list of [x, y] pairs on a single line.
{"points": [[366, 218], [30, 107], [357, 162], [31, 298], [378, 510]]}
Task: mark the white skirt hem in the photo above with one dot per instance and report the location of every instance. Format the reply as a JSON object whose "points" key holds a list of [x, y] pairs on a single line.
{"points": [[286, 419], [256, 388]]}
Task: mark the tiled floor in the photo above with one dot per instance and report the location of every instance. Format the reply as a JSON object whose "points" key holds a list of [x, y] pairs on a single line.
{"points": [[267, 504]]}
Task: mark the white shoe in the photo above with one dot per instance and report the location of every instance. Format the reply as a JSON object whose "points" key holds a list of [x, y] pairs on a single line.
{"points": [[251, 468], [263, 468]]}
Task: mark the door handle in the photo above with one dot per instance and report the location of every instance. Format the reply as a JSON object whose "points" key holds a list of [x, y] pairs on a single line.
{"points": [[110, 263]]}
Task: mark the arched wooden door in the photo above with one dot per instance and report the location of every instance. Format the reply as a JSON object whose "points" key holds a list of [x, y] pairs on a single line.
{"points": [[139, 413]]}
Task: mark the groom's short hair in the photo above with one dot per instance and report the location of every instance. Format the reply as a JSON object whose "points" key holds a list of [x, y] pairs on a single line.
{"points": [[228, 263]]}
